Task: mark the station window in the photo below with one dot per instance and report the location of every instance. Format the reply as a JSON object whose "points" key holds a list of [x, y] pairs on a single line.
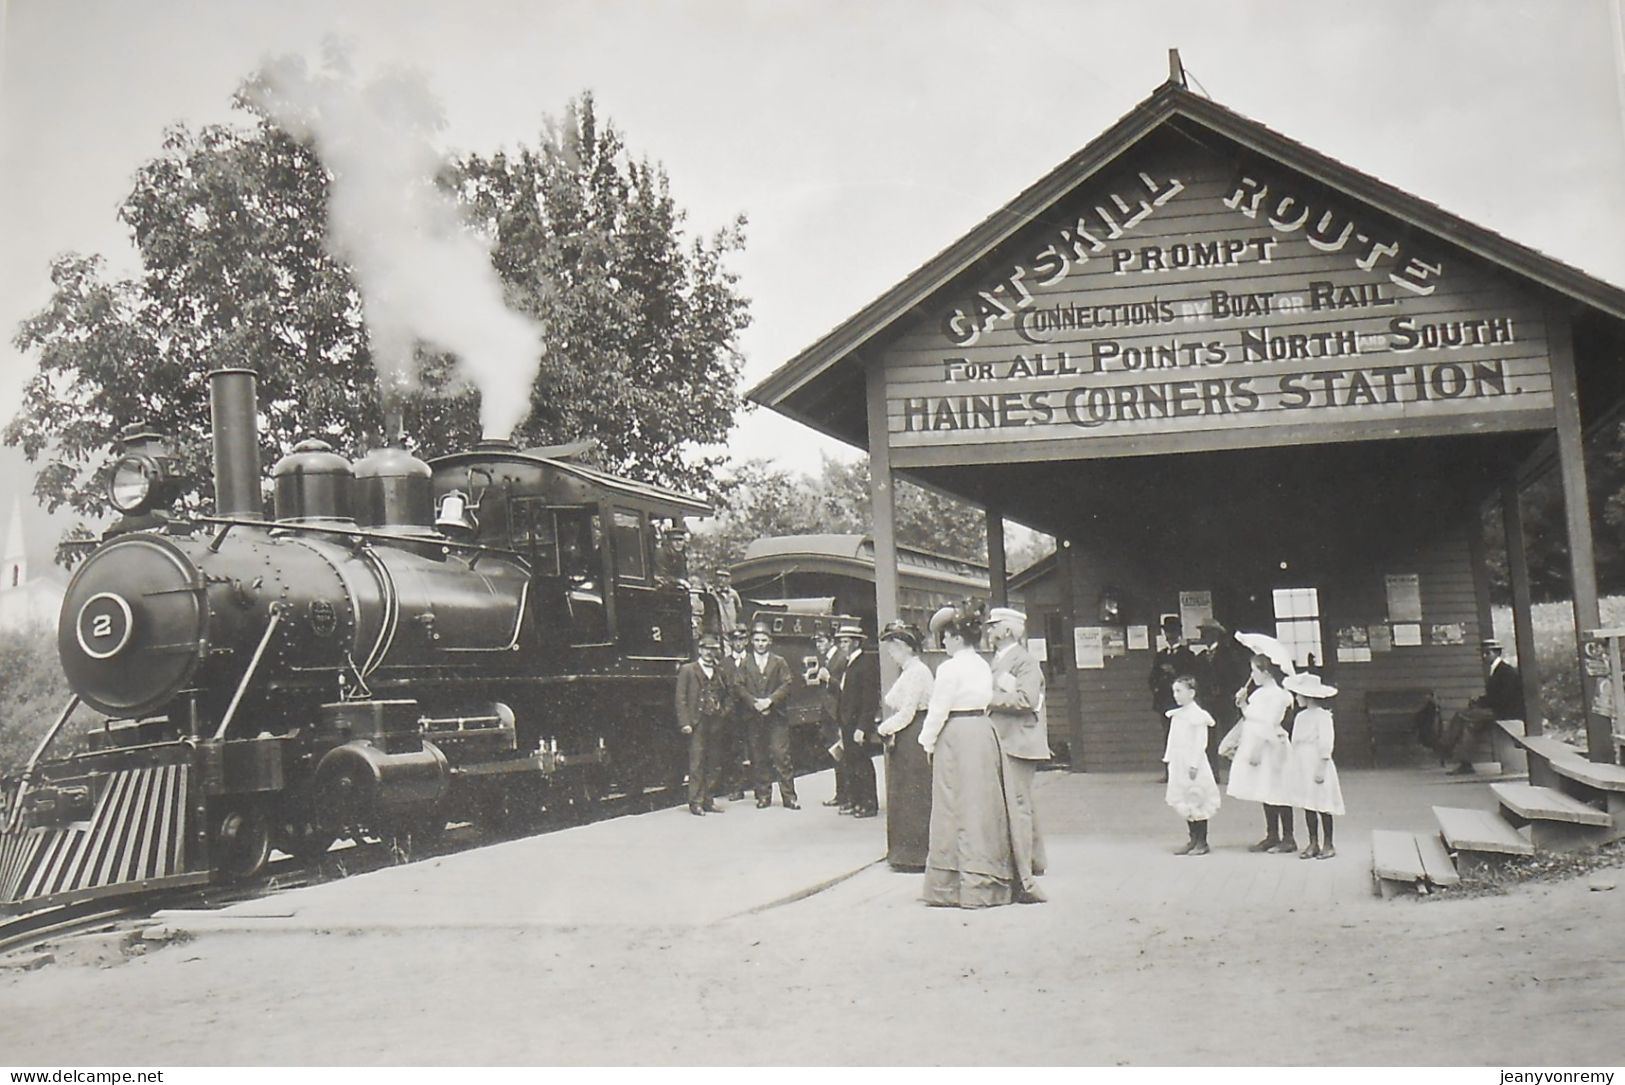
{"points": [[629, 557], [1297, 623]]}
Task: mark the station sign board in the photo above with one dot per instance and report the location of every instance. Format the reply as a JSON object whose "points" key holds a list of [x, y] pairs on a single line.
{"points": [[1184, 300]]}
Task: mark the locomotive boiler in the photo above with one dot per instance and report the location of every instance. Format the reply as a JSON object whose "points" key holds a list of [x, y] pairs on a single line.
{"points": [[397, 644]]}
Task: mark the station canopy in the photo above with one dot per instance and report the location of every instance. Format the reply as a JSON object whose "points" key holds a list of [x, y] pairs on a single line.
{"points": [[1188, 295]]}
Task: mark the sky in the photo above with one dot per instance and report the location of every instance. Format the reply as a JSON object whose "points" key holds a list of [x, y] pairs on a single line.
{"points": [[858, 138]]}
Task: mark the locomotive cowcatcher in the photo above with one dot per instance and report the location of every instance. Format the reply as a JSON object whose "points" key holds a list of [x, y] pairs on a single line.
{"points": [[399, 644]]}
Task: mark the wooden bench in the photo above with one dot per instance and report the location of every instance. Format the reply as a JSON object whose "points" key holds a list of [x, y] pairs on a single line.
{"points": [[1506, 742], [1557, 822], [1479, 836]]}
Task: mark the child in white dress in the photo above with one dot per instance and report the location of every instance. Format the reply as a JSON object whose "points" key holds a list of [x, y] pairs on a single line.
{"points": [[1192, 790], [1313, 775]]}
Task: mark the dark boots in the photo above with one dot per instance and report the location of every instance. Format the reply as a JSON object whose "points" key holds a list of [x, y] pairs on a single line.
{"points": [[1197, 844]]}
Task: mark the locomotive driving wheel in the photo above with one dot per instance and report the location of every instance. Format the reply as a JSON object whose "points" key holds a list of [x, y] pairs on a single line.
{"points": [[297, 830], [240, 840]]}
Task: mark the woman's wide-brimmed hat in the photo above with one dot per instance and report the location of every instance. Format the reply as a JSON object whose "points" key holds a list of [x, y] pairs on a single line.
{"points": [[1309, 685], [966, 617], [903, 631]]}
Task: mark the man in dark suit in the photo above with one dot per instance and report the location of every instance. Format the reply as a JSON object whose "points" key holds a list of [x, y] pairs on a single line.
{"points": [[762, 686], [704, 702], [1502, 700], [731, 771], [1017, 711], [857, 706], [830, 663]]}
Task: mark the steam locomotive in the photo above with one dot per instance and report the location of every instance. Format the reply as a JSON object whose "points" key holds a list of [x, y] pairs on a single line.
{"points": [[399, 644]]}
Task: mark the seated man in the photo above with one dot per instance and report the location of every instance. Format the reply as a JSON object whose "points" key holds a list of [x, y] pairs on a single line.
{"points": [[1502, 700]]}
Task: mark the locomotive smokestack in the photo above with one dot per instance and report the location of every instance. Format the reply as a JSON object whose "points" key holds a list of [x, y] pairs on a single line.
{"points": [[234, 416], [394, 426]]}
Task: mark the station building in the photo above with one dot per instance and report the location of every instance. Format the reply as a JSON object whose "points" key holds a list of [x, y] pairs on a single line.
{"points": [[1236, 379]]}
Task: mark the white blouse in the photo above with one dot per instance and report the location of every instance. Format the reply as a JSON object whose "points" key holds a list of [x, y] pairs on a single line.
{"points": [[964, 683], [910, 693]]}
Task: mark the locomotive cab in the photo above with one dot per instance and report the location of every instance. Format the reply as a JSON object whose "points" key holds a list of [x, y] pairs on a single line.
{"points": [[603, 585]]}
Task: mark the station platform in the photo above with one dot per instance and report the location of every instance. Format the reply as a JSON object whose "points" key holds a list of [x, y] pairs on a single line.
{"points": [[1110, 839]]}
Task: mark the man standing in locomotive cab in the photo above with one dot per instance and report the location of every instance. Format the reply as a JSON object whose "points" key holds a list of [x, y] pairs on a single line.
{"points": [[858, 703], [763, 687], [704, 705]]}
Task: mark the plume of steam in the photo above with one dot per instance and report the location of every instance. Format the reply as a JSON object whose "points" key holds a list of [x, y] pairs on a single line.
{"points": [[424, 276]]}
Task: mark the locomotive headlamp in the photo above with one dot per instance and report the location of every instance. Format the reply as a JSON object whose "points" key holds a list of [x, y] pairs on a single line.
{"points": [[143, 476], [131, 484]]}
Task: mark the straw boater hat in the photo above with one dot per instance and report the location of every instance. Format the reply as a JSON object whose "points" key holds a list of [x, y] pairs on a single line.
{"points": [[851, 629], [1309, 685]]}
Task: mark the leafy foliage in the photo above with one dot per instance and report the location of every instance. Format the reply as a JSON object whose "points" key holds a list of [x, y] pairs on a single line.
{"points": [[32, 693], [229, 223]]}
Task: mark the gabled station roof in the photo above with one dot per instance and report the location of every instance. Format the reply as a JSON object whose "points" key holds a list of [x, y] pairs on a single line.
{"points": [[823, 385]]}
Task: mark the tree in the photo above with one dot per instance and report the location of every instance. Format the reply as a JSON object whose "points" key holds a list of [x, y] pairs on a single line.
{"points": [[641, 325], [231, 222]]}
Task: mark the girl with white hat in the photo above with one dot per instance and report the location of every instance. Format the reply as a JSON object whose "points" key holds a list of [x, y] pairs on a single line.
{"points": [[1313, 775]]}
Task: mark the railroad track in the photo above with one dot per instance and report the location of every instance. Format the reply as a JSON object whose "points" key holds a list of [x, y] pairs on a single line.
{"points": [[346, 860]]}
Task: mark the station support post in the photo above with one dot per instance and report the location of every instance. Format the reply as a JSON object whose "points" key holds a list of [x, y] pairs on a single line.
{"points": [[1577, 514], [1523, 625], [883, 509], [998, 578]]}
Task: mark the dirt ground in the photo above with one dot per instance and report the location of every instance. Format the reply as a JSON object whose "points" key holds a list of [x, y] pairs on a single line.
{"points": [[651, 941], [860, 975]]}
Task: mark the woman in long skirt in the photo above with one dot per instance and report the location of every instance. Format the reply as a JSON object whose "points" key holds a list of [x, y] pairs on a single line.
{"points": [[969, 863], [908, 773]]}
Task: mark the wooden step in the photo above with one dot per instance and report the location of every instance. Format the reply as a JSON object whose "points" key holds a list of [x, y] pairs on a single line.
{"points": [[1544, 804], [1394, 856], [1550, 748], [1480, 831], [1436, 860], [1593, 774]]}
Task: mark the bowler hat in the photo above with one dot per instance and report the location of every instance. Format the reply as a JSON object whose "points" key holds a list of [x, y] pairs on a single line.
{"points": [[761, 627], [710, 640]]}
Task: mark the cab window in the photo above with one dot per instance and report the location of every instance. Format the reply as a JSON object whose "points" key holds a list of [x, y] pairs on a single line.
{"points": [[535, 534], [580, 544], [630, 559]]}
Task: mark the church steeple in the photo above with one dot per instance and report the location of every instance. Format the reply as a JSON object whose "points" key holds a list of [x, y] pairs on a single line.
{"points": [[16, 558]]}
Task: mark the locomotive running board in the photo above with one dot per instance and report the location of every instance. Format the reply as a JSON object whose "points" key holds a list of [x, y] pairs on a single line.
{"points": [[137, 838]]}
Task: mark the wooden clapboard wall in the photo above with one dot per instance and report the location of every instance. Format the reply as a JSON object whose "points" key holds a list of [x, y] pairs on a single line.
{"points": [[1115, 729], [1052, 348]]}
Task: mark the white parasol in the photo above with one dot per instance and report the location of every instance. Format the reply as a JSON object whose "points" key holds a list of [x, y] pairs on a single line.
{"points": [[1267, 646]]}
